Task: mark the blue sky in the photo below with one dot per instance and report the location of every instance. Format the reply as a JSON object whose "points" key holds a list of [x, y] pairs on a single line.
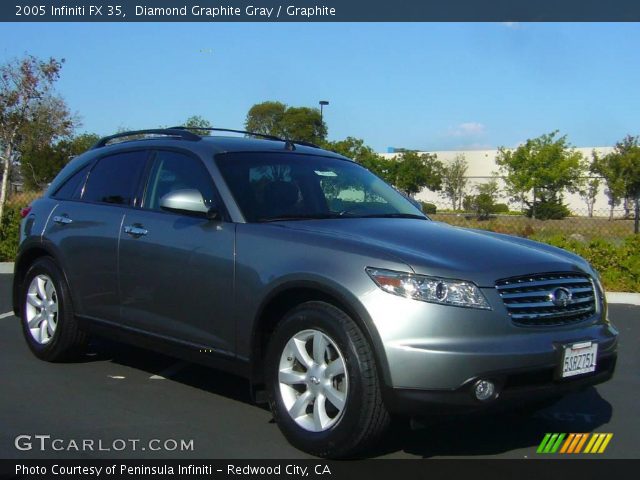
{"points": [[421, 85]]}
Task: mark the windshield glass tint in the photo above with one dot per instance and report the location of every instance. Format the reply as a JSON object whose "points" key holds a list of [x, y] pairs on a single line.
{"points": [[272, 186]]}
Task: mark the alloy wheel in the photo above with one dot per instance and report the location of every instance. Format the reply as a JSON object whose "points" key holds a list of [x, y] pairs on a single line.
{"points": [[41, 309], [313, 380]]}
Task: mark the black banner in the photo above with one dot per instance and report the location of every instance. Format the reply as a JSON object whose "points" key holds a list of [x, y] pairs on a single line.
{"points": [[318, 10], [319, 469]]}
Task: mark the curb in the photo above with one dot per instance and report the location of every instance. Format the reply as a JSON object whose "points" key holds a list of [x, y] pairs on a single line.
{"points": [[612, 297], [6, 267], [623, 297]]}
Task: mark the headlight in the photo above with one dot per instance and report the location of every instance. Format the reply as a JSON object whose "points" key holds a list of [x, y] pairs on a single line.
{"points": [[429, 289]]}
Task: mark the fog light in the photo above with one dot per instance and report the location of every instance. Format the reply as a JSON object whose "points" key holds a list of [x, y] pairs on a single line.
{"points": [[484, 390]]}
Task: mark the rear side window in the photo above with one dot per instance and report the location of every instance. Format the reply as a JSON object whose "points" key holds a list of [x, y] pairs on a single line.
{"points": [[115, 178], [72, 187]]}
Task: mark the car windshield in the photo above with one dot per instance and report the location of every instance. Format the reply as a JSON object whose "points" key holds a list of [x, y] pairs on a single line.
{"points": [[292, 186]]}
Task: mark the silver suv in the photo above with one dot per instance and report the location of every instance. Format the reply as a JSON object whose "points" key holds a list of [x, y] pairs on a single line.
{"points": [[306, 273]]}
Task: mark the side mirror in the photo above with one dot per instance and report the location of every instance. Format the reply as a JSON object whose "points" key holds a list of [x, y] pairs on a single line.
{"points": [[187, 202]]}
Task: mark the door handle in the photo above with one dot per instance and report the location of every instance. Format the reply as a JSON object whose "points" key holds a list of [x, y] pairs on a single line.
{"points": [[135, 230], [62, 219]]}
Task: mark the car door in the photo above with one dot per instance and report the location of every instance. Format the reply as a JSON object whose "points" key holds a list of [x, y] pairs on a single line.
{"points": [[84, 228], [177, 271]]}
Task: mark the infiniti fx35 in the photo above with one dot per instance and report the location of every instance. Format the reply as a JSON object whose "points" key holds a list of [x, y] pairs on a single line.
{"points": [[304, 272]]}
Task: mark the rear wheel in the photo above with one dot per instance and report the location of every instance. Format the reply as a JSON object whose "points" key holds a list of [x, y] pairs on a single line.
{"points": [[48, 321], [322, 382]]}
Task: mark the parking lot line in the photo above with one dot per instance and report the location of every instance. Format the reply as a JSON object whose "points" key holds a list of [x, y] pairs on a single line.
{"points": [[169, 371], [5, 315]]}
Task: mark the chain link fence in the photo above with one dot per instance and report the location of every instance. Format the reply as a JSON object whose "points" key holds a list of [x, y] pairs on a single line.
{"points": [[579, 227], [587, 219]]}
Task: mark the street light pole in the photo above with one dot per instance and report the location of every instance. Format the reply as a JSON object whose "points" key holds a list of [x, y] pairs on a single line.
{"points": [[322, 104]]}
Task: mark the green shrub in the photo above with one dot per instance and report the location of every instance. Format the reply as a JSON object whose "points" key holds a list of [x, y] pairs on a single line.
{"points": [[428, 208], [10, 232], [501, 208], [618, 263], [483, 205], [549, 210]]}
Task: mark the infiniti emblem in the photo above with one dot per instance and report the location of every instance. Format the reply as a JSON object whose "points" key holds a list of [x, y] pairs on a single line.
{"points": [[560, 297]]}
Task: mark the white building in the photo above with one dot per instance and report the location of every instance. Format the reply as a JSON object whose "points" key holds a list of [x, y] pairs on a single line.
{"points": [[482, 166]]}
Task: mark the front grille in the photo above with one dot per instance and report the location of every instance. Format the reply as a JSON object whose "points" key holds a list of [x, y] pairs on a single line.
{"points": [[530, 299]]}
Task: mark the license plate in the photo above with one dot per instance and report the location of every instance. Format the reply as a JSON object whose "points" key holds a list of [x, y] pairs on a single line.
{"points": [[579, 358]]}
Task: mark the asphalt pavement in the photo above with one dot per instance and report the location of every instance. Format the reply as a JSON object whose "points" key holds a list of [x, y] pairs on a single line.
{"points": [[124, 402]]}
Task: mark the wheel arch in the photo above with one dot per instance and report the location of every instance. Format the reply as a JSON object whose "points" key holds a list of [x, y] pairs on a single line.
{"points": [[24, 260], [288, 296]]}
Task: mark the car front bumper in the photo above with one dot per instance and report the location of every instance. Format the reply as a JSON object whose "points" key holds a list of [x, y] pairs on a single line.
{"points": [[515, 388], [434, 354]]}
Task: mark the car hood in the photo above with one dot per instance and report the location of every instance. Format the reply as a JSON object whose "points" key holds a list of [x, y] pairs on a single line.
{"points": [[434, 248]]}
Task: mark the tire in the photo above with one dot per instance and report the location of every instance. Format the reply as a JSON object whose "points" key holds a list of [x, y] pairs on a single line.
{"points": [[48, 322], [323, 428]]}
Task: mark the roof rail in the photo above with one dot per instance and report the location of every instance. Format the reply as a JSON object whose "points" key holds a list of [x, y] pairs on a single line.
{"points": [[169, 132], [289, 143]]}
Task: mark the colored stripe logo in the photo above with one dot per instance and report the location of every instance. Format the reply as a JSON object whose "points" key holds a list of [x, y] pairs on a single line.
{"points": [[572, 443]]}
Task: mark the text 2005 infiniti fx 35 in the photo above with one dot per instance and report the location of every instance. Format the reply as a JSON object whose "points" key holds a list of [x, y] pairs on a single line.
{"points": [[304, 272]]}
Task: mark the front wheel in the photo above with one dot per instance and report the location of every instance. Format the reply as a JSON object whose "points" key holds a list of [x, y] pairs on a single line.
{"points": [[322, 382]]}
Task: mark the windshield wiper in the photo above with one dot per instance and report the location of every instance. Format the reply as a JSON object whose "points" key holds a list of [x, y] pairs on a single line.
{"points": [[299, 216], [392, 215]]}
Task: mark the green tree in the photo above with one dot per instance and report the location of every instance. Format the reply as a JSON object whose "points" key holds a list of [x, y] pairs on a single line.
{"points": [[589, 185], [304, 123], [629, 150], [51, 122], [621, 171], [490, 188], [541, 169], [293, 123], [196, 122], [79, 144], [355, 149], [413, 171], [24, 83], [266, 118], [611, 168], [40, 165], [484, 203], [454, 181], [589, 191]]}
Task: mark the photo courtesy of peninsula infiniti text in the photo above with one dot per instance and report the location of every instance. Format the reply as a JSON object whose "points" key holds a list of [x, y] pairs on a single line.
{"points": [[342, 303]]}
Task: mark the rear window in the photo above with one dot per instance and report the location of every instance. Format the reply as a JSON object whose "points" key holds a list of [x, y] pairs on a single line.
{"points": [[115, 178]]}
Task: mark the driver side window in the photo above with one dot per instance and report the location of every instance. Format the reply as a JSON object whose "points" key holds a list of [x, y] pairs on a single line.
{"points": [[176, 171]]}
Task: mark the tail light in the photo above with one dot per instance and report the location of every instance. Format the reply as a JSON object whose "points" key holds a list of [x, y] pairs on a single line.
{"points": [[25, 211]]}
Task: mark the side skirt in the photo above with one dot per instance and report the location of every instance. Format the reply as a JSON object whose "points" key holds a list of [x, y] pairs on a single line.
{"points": [[191, 352]]}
